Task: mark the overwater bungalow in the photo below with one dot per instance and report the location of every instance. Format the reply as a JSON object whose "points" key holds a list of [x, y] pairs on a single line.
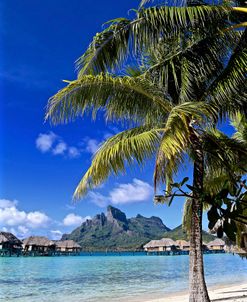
{"points": [[38, 245], [183, 245], [67, 246], [9, 244], [162, 245], [216, 245]]}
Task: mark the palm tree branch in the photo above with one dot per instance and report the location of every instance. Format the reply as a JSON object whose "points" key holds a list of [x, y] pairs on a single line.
{"points": [[224, 155], [127, 147], [231, 81], [121, 97], [110, 47]]}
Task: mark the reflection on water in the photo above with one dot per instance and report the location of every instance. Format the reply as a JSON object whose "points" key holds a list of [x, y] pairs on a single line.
{"points": [[243, 256], [107, 278]]}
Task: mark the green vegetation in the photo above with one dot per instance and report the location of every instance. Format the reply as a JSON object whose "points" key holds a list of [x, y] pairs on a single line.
{"points": [[115, 232], [179, 233], [227, 197]]}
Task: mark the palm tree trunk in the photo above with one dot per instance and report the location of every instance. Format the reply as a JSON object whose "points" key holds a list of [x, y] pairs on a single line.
{"points": [[197, 285]]}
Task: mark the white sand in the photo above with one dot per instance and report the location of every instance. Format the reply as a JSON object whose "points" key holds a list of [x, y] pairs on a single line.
{"points": [[230, 293]]}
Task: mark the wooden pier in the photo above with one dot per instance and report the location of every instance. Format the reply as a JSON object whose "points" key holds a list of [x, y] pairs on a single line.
{"points": [[48, 254]]}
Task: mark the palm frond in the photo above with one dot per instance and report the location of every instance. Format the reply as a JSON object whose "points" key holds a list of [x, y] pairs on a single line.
{"points": [[121, 98], [225, 157], [178, 66], [214, 182], [108, 49], [225, 90], [167, 164], [144, 2], [239, 122], [111, 47], [185, 112], [128, 147], [240, 9], [175, 140]]}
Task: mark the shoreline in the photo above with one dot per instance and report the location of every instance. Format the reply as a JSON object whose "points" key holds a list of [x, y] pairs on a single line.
{"points": [[222, 292], [217, 293]]}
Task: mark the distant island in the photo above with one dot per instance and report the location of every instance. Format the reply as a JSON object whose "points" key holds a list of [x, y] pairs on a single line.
{"points": [[114, 232]]}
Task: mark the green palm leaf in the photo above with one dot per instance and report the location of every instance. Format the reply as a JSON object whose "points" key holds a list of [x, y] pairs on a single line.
{"points": [[121, 97], [239, 122], [224, 91], [224, 156], [130, 146], [111, 47]]}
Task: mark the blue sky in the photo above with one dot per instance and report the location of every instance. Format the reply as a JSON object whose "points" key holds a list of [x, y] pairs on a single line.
{"points": [[42, 164]]}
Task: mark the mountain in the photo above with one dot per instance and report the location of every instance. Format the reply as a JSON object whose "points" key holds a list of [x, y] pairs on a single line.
{"points": [[178, 233], [114, 231]]}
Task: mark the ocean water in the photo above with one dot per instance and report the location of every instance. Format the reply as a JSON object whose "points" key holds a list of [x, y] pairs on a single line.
{"points": [[108, 278]]}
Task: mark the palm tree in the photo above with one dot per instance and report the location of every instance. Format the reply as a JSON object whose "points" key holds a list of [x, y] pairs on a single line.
{"points": [[191, 74]]}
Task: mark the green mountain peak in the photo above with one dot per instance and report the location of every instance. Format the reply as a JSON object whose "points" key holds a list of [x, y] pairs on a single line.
{"points": [[114, 231]]}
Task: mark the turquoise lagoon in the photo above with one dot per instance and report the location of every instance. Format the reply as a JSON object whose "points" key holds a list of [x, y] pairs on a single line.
{"points": [[108, 278]]}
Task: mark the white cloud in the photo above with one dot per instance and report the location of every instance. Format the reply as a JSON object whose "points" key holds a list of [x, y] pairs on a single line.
{"points": [[92, 145], [45, 141], [37, 219], [26, 223], [60, 148], [73, 152], [56, 234], [137, 191], [18, 221], [98, 199], [12, 216], [22, 230], [74, 220], [70, 206], [50, 142], [5, 203]]}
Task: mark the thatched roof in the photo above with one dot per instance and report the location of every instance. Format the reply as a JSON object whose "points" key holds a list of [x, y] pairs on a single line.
{"points": [[216, 242], [162, 242], [38, 241], [152, 243], [67, 244], [182, 243], [9, 237]]}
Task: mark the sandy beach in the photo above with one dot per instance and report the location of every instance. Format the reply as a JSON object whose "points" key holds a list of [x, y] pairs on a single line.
{"points": [[229, 293]]}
